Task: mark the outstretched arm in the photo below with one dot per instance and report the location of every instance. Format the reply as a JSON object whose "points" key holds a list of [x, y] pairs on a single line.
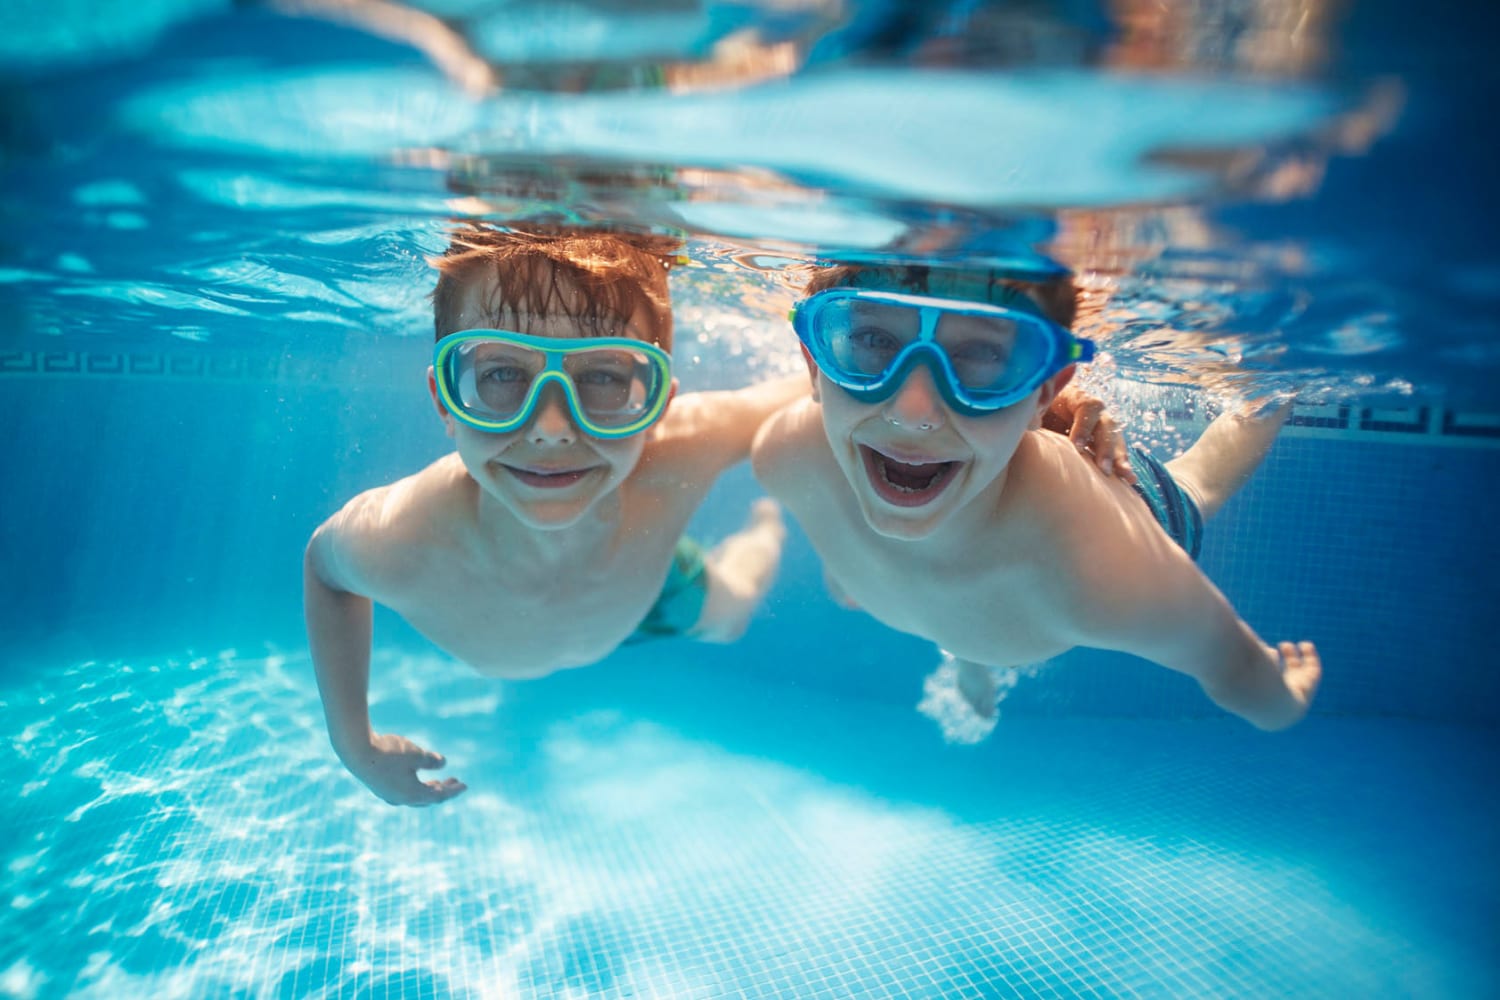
{"points": [[719, 427], [1203, 637], [338, 631], [1269, 687]]}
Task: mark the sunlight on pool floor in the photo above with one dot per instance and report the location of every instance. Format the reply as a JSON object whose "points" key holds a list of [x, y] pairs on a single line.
{"points": [[183, 829]]}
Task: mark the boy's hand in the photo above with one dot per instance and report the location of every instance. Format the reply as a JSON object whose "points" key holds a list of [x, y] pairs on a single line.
{"points": [[1301, 670], [388, 766], [1092, 430]]}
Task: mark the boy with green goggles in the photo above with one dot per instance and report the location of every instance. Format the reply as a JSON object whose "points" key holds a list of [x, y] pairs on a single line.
{"points": [[554, 532]]}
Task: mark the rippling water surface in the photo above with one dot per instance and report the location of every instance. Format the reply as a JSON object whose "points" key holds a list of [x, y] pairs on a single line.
{"points": [[1243, 200]]}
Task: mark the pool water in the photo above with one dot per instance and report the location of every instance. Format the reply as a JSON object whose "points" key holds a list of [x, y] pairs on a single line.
{"points": [[183, 831], [213, 267]]}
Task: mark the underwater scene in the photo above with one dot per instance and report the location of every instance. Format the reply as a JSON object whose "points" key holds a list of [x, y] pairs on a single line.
{"points": [[748, 499]]}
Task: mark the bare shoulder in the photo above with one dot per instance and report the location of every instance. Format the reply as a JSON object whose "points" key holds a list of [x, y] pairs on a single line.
{"points": [[1055, 495], [376, 533], [1115, 563]]}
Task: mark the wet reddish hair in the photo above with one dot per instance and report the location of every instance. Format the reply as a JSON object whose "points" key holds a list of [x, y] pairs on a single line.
{"points": [[1057, 296], [600, 280]]}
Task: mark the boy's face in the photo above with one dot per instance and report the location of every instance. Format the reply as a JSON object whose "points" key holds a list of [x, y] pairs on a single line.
{"points": [[910, 459], [548, 472]]}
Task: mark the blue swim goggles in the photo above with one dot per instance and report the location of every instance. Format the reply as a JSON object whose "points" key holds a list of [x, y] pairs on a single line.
{"points": [[493, 380], [982, 357]]}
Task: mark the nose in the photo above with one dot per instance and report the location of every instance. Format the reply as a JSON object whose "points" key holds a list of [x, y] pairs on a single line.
{"points": [[552, 423], [917, 405]]}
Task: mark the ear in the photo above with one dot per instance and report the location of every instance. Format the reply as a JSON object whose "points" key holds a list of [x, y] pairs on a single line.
{"points": [[812, 371], [437, 401], [1049, 391]]}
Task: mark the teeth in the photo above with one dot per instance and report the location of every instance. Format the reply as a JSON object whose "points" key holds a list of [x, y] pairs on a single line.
{"points": [[882, 465]]}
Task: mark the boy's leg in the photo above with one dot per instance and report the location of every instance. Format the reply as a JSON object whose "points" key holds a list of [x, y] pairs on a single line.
{"points": [[740, 570], [963, 697], [1224, 457], [977, 684]]}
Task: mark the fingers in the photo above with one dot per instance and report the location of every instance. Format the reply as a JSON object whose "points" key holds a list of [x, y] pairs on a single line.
{"points": [[426, 760], [426, 793], [392, 773], [1302, 668], [1085, 420], [1096, 432], [440, 791], [412, 791], [1112, 451], [414, 754]]}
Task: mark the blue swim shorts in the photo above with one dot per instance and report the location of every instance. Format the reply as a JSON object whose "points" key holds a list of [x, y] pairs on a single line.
{"points": [[1171, 505]]}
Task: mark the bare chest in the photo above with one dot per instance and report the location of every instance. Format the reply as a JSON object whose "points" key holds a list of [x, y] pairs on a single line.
{"points": [[998, 625], [999, 611], [528, 621]]}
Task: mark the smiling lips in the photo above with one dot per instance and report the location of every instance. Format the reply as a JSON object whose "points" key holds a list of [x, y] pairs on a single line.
{"points": [[904, 483], [547, 479]]}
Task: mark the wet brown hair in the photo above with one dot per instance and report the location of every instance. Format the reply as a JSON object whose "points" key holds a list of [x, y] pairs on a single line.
{"points": [[600, 280], [1057, 296]]}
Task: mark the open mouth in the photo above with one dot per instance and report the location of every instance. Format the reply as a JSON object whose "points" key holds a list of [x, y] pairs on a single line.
{"points": [[904, 484], [547, 480]]}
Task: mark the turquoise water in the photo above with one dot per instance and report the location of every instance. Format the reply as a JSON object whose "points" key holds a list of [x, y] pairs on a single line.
{"points": [[212, 265]]}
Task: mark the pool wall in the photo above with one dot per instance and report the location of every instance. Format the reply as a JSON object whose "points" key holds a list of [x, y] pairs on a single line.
{"points": [[158, 502]]}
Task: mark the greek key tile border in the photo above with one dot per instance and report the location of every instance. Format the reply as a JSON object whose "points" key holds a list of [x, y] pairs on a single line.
{"points": [[211, 366], [1428, 424]]}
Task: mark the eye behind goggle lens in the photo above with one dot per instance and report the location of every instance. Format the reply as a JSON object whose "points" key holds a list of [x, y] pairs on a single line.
{"points": [[998, 361], [864, 344], [492, 384], [614, 387]]}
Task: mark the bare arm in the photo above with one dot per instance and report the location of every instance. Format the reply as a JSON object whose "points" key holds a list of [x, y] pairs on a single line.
{"points": [[1118, 582], [719, 427], [1271, 688], [338, 631], [785, 446]]}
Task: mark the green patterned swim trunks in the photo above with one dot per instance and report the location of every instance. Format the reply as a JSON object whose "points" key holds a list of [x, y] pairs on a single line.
{"points": [[680, 602]]}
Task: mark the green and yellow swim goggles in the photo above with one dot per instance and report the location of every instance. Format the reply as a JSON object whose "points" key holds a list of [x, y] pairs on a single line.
{"points": [[493, 380]]}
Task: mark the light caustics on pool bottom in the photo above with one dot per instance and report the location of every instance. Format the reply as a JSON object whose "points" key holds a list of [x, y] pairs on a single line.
{"points": [[182, 829]]}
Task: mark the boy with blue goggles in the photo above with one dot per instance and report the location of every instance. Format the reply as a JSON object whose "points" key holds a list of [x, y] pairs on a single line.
{"points": [[493, 380], [983, 357], [1000, 543]]}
